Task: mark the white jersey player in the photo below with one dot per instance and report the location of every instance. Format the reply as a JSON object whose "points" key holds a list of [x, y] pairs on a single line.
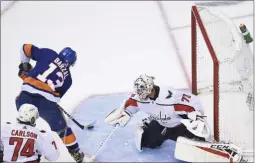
{"points": [[173, 114], [23, 142]]}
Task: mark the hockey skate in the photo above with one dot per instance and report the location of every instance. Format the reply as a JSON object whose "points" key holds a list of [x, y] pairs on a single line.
{"points": [[80, 157], [77, 156]]}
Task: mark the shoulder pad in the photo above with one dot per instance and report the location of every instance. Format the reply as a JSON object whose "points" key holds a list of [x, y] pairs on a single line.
{"points": [[42, 131]]}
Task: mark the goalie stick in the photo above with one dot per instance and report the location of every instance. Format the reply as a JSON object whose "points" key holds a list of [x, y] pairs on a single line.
{"points": [[88, 126], [101, 145]]}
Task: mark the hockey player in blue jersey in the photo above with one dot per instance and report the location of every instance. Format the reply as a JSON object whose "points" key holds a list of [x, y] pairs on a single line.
{"points": [[44, 86]]}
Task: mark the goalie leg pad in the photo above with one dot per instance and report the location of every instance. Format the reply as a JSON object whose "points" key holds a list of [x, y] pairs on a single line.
{"points": [[206, 152], [138, 138]]}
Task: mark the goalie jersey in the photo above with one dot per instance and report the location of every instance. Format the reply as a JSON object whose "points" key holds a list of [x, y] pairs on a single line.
{"points": [[50, 77], [24, 143], [168, 107]]}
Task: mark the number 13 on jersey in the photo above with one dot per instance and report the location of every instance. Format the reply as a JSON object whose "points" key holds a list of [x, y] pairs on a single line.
{"points": [[43, 77]]}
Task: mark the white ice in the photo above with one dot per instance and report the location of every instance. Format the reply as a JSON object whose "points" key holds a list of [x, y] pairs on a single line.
{"points": [[115, 42]]}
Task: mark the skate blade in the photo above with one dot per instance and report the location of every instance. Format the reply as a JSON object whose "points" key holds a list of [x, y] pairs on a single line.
{"points": [[88, 158]]}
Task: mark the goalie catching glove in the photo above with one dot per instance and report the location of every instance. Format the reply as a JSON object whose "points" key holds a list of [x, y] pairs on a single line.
{"points": [[118, 116], [195, 115], [197, 125]]}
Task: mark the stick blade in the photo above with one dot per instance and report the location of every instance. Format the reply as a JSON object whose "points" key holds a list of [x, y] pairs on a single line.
{"points": [[90, 125]]}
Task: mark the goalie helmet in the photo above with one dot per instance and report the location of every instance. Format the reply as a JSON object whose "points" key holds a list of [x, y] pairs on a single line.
{"points": [[28, 113], [143, 86]]}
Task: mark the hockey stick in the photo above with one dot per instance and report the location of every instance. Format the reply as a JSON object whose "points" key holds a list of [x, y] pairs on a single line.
{"points": [[88, 126], [100, 147]]}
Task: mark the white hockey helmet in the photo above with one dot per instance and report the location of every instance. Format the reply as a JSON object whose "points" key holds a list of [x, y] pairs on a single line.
{"points": [[143, 86], [28, 113]]}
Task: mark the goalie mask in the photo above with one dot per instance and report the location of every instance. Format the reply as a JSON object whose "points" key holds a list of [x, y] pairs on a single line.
{"points": [[143, 86]]}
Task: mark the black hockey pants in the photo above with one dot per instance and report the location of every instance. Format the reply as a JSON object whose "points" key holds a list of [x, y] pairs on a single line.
{"points": [[154, 134]]}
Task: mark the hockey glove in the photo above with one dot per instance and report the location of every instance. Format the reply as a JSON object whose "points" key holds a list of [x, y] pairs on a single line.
{"points": [[24, 68], [195, 115], [197, 125], [118, 116], [144, 123]]}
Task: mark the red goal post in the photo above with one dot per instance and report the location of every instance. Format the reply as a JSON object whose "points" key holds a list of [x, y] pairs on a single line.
{"points": [[222, 66], [196, 19]]}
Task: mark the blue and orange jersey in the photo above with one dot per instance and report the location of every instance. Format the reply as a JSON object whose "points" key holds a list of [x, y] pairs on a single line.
{"points": [[50, 77]]}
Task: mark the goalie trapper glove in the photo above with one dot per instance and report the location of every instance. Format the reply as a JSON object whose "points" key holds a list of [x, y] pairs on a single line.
{"points": [[24, 68], [195, 115]]}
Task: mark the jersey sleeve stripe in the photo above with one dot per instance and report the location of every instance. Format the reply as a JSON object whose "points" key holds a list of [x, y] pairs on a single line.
{"points": [[70, 139], [23, 76], [40, 85], [131, 102], [27, 48], [181, 108]]}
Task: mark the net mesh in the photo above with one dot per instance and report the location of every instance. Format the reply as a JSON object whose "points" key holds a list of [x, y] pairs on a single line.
{"points": [[235, 119]]}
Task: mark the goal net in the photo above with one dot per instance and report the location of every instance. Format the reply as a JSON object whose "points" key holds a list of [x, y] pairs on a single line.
{"points": [[222, 72]]}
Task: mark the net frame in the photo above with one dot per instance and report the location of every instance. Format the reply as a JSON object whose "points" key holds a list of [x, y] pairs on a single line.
{"points": [[196, 20], [222, 87]]}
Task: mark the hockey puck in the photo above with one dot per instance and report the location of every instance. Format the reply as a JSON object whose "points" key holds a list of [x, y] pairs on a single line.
{"points": [[90, 127]]}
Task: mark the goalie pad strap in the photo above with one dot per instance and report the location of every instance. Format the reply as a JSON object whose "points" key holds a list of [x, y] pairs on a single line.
{"points": [[128, 113]]}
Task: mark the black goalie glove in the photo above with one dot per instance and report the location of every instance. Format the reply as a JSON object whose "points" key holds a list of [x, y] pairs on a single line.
{"points": [[24, 68], [146, 122]]}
